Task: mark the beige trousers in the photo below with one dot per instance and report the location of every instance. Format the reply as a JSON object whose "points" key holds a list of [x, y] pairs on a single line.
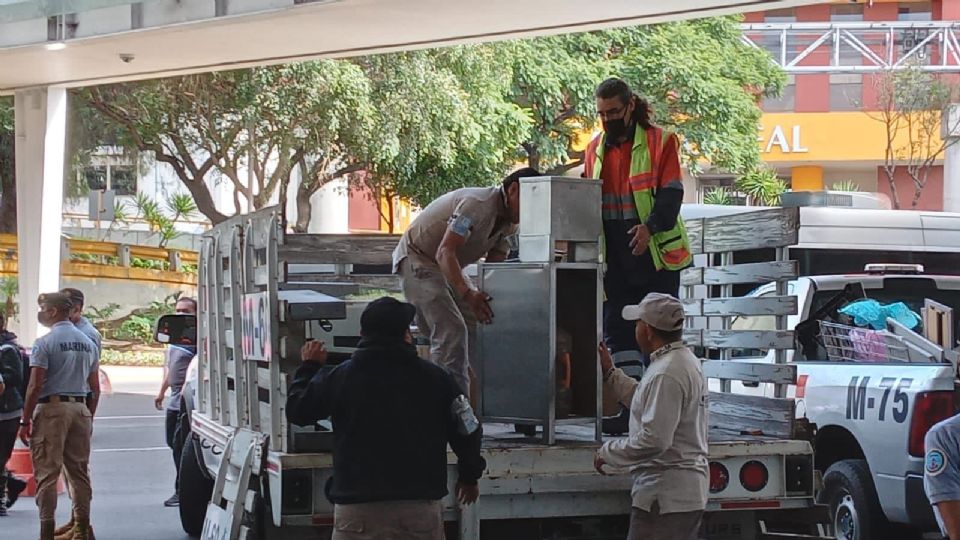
{"points": [[447, 321], [60, 442], [389, 520]]}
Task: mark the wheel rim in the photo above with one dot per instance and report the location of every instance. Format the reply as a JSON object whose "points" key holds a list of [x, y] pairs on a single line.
{"points": [[846, 519]]}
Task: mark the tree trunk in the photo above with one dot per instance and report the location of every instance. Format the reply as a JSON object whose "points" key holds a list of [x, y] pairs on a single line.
{"points": [[891, 179], [533, 157], [304, 209], [8, 184], [205, 204], [391, 219]]}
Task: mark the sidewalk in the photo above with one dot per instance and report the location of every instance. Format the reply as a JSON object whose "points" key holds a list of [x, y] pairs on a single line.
{"points": [[134, 380]]}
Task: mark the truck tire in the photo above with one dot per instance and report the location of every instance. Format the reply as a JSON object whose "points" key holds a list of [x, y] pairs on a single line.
{"points": [[195, 489], [854, 507]]}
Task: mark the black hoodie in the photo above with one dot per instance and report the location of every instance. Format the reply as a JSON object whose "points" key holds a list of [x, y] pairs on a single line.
{"points": [[11, 370], [392, 421]]}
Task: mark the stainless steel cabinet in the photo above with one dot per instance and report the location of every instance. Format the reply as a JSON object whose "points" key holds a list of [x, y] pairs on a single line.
{"points": [[520, 374]]}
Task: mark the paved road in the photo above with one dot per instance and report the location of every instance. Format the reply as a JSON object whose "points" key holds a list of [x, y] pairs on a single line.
{"points": [[132, 476]]}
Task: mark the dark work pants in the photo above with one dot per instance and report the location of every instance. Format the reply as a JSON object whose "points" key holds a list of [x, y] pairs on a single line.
{"points": [[173, 426], [8, 438], [619, 334]]}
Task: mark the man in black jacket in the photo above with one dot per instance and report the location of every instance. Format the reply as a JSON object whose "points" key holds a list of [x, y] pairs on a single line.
{"points": [[11, 408], [393, 415]]}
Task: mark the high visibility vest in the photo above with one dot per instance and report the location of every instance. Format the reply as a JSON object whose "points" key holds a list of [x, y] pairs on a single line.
{"points": [[670, 249]]}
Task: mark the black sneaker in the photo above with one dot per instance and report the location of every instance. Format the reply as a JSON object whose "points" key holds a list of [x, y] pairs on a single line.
{"points": [[3, 508], [172, 501], [15, 487]]}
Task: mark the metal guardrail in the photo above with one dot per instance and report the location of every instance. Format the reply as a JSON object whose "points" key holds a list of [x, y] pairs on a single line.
{"points": [[124, 253], [858, 47]]}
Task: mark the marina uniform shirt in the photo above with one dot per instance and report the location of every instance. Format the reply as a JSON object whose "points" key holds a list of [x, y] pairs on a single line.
{"points": [[667, 447], [69, 357], [473, 213], [91, 332], [941, 465]]}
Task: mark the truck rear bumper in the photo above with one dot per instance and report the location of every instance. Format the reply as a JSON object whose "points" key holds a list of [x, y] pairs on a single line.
{"points": [[904, 501], [919, 510]]}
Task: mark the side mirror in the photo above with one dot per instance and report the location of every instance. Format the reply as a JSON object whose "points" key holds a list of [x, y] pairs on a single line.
{"points": [[176, 329]]}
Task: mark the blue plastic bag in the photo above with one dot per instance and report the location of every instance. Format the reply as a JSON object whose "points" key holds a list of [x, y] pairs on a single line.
{"points": [[874, 314]]}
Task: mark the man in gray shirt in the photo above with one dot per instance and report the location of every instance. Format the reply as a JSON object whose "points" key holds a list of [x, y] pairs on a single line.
{"points": [[667, 447], [941, 474], [174, 376], [453, 232], [61, 400], [81, 322]]}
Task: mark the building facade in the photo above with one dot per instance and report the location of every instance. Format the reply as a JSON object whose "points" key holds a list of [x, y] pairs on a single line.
{"points": [[827, 131]]}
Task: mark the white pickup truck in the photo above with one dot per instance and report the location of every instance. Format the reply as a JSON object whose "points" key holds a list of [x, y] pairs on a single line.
{"points": [[871, 416]]}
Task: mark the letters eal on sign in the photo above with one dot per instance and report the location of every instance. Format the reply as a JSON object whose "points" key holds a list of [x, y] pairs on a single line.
{"points": [[787, 145]]}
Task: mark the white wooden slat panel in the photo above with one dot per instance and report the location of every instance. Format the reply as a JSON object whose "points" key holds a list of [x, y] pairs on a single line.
{"points": [[739, 339], [740, 414], [738, 274], [732, 307], [758, 372]]}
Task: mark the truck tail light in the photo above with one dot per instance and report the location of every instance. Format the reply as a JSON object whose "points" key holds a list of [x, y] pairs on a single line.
{"points": [[719, 477], [928, 409], [754, 476]]}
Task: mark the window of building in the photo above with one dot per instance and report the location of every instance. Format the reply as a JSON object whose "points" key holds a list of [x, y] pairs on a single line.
{"points": [[96, 177], [780, 16], [846, 12], [846, 92], [917, 11], [770, 40], [120, 178], [123, 179], [787, 100]]}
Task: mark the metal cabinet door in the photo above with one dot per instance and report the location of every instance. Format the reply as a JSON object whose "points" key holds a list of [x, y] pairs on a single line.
{"points": [[516, 371]]}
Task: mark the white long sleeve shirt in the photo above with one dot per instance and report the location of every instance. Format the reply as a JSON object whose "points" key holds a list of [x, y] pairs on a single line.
{"points": [[666, 450]]}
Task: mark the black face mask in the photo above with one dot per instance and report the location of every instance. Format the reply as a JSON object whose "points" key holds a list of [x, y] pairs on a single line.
{"points": [[615, 129]]}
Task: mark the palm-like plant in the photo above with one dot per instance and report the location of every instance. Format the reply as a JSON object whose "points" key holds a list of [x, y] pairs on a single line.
{"points": [[718, 195], [846, 185], [762, 186]]}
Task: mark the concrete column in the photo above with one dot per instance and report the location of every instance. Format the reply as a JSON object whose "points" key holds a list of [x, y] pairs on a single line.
{"points": [[41, 121], [950, 129], [806, 178], [331, 208]]}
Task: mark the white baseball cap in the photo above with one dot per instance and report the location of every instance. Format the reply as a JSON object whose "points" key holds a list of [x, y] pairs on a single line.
{"points": [[661, 311]]}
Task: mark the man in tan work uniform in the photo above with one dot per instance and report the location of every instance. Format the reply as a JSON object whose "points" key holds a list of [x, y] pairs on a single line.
{"points": [[667, 447], [452, 232], [58, 411]]}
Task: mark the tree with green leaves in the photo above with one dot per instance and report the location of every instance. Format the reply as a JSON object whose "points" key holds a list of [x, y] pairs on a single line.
{"points": [[681, 68], [8, 183], [254, 127], [910, 106], [442, 122]]}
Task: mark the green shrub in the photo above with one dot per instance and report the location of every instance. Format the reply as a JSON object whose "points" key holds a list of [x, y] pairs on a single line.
{"points": [[150, 358]]}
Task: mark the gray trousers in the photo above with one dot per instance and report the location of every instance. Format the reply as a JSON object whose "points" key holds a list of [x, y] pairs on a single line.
{"points": [[446, 320], [653, 525], [389, 520]]}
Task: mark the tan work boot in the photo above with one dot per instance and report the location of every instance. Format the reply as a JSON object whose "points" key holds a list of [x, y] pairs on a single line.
{"points": [[79, 531], [46, 529], [64, 529]]}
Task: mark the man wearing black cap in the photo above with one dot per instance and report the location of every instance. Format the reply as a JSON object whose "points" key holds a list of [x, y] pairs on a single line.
{"points": [[667, 447], [393, 416]]}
